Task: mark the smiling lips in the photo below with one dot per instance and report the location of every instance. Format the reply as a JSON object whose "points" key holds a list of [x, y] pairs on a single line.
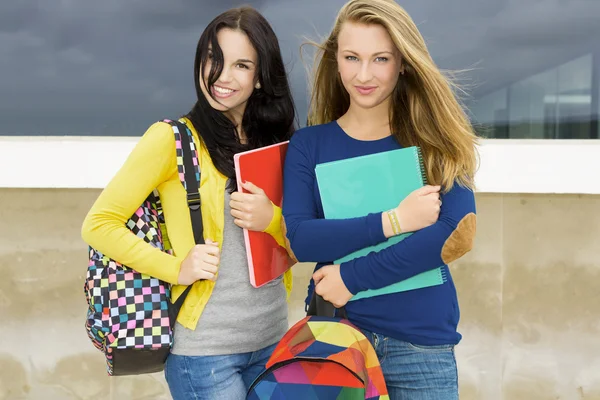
{"points": [[222, 92], [365, 90]]}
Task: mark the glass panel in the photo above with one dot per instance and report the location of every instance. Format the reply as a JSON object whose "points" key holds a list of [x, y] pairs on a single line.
{"points": [[596, 100], [491, 114], [574, 99], [528, 116], [532, 67], [556, 103]]}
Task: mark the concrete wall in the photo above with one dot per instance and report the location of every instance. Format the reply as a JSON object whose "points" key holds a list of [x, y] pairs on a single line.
{"points": [[529, 296]]}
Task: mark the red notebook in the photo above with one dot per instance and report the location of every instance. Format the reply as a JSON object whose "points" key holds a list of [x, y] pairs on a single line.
{"points": [[264, 168]]}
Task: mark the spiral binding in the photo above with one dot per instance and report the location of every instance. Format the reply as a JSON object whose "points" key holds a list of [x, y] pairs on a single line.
{"points": [[443, 274], [421, 165]]}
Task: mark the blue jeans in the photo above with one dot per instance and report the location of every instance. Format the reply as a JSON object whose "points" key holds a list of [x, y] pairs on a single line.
{"points": [[415, 372], [225, 377]]}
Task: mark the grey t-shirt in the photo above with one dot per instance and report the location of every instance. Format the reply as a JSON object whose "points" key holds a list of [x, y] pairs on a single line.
{"points": [[238, 318]]}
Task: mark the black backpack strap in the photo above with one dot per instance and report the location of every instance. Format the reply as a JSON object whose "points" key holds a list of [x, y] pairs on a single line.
{"points": [[320, 307], [191, 182]]}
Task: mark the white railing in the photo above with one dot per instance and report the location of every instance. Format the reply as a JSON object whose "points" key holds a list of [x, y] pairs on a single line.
{"points": [[506, 166]]}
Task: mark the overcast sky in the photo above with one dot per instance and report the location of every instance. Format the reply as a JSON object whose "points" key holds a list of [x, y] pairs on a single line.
{"points": [[82, 67]]}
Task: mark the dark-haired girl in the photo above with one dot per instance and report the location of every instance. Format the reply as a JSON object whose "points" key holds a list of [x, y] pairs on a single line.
{"points": [[226, 329]]}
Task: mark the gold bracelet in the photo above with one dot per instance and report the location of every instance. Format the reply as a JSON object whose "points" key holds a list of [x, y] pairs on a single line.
{"points": [[397, 220], [394, 221]]}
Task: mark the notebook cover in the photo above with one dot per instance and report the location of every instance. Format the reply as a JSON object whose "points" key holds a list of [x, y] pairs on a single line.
{"points": [[263, 167], [373, 183]]}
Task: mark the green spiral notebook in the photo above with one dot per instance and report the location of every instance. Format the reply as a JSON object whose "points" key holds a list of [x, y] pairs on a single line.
{"points": [[357, 186]]}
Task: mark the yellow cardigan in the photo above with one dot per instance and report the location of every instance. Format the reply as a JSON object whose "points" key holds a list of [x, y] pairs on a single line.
{"points": [[152, 164]]}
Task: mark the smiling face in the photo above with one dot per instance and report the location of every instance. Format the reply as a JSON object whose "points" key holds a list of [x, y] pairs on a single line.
{"points": [[369, 64], [235, 85]]}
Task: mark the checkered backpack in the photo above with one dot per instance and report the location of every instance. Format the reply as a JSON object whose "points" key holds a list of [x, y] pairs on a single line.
{"points": [[130, 317]]}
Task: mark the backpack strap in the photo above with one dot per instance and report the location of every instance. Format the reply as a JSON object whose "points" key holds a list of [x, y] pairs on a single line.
{"points": [[319, 307], [188, 167]]}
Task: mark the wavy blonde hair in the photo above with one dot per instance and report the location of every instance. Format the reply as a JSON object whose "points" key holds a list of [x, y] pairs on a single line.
{"points": [[424, 110]]}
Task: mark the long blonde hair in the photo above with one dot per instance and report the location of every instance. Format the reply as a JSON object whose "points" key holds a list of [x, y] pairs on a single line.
{"points": [[424, 110]]}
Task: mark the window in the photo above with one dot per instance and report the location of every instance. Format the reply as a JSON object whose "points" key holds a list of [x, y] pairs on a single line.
{"points": [[552, 104], [531, 68]]}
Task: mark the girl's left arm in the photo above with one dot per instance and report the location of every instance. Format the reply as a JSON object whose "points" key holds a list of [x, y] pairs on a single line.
{"points": [[437, 245]]}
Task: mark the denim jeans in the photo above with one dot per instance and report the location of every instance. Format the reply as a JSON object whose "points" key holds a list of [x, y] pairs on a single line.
{"points": [[415, 372], [225, 377]]}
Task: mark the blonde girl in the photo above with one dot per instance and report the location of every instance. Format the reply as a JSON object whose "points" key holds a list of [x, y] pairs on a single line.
{"points": [[376, 89]]}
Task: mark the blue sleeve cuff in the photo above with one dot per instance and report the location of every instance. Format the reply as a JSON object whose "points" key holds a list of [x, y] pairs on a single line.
{"points": [[375, 229], [349, 277]]}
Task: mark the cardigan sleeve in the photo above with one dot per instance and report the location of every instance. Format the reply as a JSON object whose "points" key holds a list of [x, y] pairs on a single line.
{"points": [[151, 162]]}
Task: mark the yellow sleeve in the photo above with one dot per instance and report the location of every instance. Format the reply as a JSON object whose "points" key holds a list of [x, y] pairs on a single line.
{"points": [[274, 228], [151, 163]]}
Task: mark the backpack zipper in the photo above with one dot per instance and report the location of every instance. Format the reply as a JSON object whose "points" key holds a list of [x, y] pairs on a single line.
{"points": [[293, 360]]}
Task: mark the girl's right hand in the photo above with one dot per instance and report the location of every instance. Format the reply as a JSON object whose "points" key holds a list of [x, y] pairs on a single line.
{"points": [[419, 209], [201, 263]]}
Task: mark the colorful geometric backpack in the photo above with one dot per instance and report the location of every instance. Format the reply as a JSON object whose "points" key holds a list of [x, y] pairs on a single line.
{"points": [[321, 358], [130, 317]]}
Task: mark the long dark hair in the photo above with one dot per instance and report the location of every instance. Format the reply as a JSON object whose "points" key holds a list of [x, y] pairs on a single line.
{"points": [[269, 115]]}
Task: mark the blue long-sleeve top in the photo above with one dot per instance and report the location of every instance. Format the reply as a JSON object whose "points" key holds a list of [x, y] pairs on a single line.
{"points": [[426, 316]]}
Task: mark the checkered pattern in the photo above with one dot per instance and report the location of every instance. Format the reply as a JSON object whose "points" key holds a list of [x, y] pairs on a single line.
{"points": [[179, 150], [127, 309], [322, 358]]}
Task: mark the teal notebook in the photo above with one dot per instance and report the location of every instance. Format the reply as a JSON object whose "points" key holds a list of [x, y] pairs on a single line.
{"points": [[378, 182]]}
